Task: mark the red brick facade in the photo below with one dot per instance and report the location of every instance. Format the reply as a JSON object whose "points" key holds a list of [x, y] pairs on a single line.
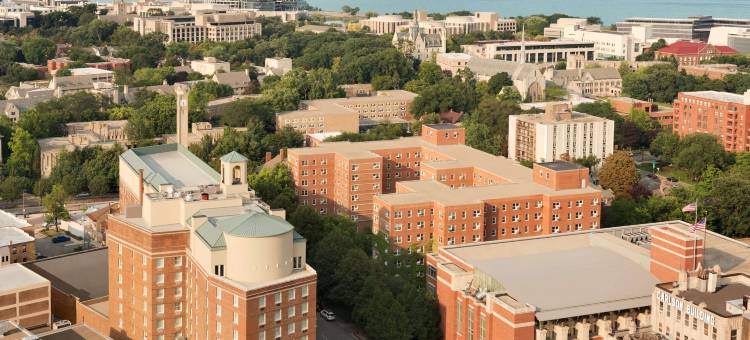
{"points": [[714, 113], [350, 183]]}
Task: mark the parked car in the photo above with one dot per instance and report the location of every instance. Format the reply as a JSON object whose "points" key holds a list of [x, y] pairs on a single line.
{"points": [[83, 195], [61, 324], [60, 239], [328, 315]]}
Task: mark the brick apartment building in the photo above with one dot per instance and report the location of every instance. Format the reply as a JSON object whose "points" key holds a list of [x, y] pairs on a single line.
{"points": [[724, 115], [624, 105], [195, 254], [16, 246], [24, 297], [349, 114], [594, 284], [432, 190], [692, 53]]}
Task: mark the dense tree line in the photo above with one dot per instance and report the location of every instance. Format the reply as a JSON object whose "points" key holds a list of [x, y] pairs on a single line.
{"points": [[719, 182], [385, 295], [663, 82]]}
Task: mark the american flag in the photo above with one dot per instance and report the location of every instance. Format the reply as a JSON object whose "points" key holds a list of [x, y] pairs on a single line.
{"points": [[692, 207], [700, 225]]}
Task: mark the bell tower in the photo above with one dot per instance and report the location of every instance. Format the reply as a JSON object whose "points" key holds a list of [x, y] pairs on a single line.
{"points": [[181, 92], [234, 173]]}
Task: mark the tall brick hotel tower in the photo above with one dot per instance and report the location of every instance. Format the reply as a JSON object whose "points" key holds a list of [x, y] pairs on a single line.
{"points": [[194, 254]]}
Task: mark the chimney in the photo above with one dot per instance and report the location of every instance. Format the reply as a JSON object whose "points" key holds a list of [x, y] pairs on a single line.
{"points": [[682, 281], [140, 185], [269, 156], [713, 281]]}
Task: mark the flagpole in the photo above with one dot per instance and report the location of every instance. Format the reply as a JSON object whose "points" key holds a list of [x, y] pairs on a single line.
{"points": [[695, 246]]}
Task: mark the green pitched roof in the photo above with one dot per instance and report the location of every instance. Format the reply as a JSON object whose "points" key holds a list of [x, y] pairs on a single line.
{"points": [[250, 225], [233, 157]]}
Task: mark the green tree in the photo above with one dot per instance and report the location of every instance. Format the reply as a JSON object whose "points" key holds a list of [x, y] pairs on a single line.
{"points": [[698, 151], [12, 187], [38, 50], [384, 82], [509, 93], [649, 54], [349, 276], [275, 186], [379, 313], [619, 174], [154, 119], [665, 146], [241, 111], [727, 206], [23, 149], [487, 127], [206, 91], [499, 81], [54, 203]]}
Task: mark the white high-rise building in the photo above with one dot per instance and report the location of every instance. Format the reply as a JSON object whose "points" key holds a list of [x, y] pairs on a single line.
{"points": [[559, 133]]}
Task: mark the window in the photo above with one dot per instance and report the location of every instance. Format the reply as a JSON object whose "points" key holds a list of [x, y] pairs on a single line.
{"points": [[178, 277], [160, 309], [291, 295], [178, 261], [277, 298], [290, 328], [178, 307], [160, 263], [305, 291], [303, 308], [262, 302], [459, 318], [277, 315], [159, 278], [262, 319], [482, 327], [159, 324], [291, 312]]}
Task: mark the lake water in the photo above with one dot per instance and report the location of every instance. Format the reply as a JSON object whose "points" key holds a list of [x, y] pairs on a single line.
{"points": [[610, 11]]}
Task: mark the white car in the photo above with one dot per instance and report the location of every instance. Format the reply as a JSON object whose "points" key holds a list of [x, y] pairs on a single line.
{"points": [[61, 324], [328, 315]]}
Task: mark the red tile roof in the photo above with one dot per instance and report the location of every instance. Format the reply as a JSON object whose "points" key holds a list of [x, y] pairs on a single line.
{"points": [[690, 47]]}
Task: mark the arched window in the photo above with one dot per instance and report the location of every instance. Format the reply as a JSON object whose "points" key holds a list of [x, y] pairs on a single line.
{"points": [[237, 175]]}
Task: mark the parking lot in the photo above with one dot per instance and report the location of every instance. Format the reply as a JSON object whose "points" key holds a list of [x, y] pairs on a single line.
{"points": [[46, 248]]}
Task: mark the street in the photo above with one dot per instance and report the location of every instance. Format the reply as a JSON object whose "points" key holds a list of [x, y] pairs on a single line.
{"points": [[334, 330]]}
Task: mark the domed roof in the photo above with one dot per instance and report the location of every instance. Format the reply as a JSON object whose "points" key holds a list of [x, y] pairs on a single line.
{"points": [[248, 225]]}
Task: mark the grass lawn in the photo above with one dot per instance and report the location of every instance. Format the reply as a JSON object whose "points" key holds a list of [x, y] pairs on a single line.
{"points": [[51, 232], [681, 175]]}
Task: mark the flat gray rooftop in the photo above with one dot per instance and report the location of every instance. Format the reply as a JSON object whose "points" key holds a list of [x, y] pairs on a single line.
{"points": [[573, 282], [567, 275], [15, 276], [177, 169], [82, 274]]}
